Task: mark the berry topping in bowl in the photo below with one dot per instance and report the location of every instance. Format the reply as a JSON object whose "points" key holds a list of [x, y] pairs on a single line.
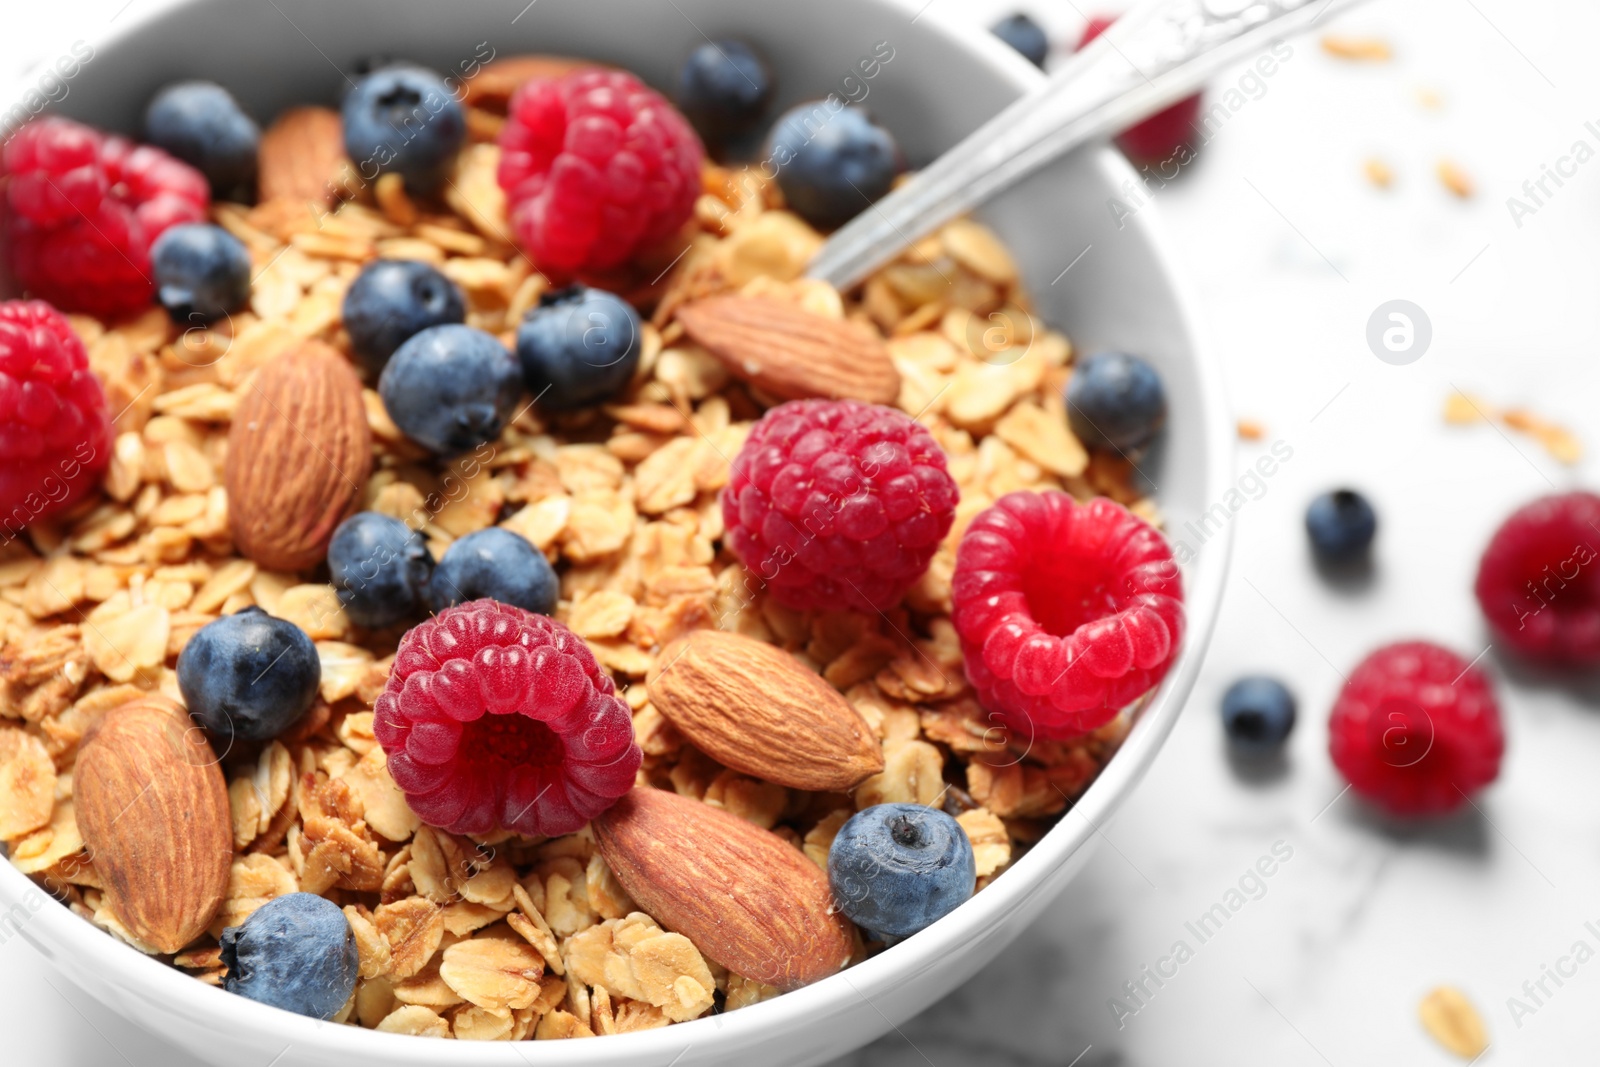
{"points": [[380, 567], [724, 89], [1341, 526], [833, 161], [497, 718], [1025, 35], [1538, 584], [1116, 401], [1161, 136], [393, 300], [1257, 713], [835, 503], [55, 435], [451, 388], [596, 167], [896, 868], [578, 347], [1067, 612], [202, 124], [295, 952], [202, 273], [494, 564], [248, 676], [403, 119], [84, 208]]}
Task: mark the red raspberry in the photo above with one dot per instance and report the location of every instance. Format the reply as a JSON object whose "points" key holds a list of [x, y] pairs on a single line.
{"points": [[835, 503], [1536, 583], [55, 438], [1161, 136], [84, 209], [1067, 612], [596, 166], [1416, 729], [497, 718]]}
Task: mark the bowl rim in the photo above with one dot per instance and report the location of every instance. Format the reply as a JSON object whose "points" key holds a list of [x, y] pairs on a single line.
{"points": [[77, 939]]}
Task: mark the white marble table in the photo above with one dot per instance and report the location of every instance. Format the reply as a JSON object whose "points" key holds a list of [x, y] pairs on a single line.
{"points": [[1291, 251]]}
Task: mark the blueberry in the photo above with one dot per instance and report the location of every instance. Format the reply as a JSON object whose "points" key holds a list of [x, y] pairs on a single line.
{"points": [[405, 119], [380, 566], [202, 124], [832, 161], [451, 388], [1341, 525], [248, 676], [896, 868], [202, 272], [1257, 713], [578, 347], [496, 564], [1025, 35], [394, 299], [724, 89], [295, 952], [1116, 401]]}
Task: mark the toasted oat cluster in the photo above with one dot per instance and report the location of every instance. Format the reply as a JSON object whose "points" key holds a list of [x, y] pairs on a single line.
{"points": [[504, 937]]}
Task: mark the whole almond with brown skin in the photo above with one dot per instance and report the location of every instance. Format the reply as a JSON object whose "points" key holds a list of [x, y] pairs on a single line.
{"points": [[299, 453], [755, 708], [153, 810], [302, 158], [786, 350], [747, 898]]}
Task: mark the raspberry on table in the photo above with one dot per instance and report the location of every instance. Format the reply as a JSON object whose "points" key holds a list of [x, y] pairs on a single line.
{"points": [[1066, 612], [1539, 585], [836, 503], [84, 208], [55, 436], [596, 166], [497, 718], [1416, 729]]}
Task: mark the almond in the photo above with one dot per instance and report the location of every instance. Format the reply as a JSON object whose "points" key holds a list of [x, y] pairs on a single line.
{"points": [[748, 899], [152, 807], [788, 351], [302, 158], [493, 85], [753, 707], [299, 453]]}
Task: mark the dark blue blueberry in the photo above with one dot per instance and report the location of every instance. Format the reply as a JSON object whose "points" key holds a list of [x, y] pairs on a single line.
{"points": [[202, 124], [896, 868], [1341, 525], [202, 272], [832, 161], [496, 564], [451, 388], [295, 952], [405, 119], [1257, 713], [1115, 401], [1025, 35], [724, 89], [578, 347], [392, 300], [248, 676], [380, 566]]}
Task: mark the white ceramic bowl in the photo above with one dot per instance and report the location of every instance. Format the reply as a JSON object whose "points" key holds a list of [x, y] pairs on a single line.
{"points": [[940, 83]]}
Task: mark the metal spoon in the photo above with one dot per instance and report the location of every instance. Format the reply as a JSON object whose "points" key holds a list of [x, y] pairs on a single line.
{"points": [[1156, 54]]}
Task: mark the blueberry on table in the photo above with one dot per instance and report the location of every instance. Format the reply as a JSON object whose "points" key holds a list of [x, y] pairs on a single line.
{"points": [[1115, 401], [451, 388], [379, 566], [832, 161], [896, 868], [1257, 713], [496, 564], [1341, 525], [202, 273], [405, 119], [578, 347], [295, 952], [724, 89], [1025, 35], [248, 676], [202, 124], [393, 300]]}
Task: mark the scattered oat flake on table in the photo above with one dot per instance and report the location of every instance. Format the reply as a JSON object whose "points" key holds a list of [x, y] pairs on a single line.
{"points": [[1452, 1021], [1459, 409], [1453, 178], [1378, 173], [1431, 99], [1367, 49], [1562, 444], [1251, 430]]}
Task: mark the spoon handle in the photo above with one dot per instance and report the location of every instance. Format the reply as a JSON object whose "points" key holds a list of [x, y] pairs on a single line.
{"points": [[1156, 54]]}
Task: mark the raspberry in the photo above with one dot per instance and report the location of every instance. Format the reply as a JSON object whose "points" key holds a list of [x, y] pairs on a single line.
{"points": [[497, 718], [84, 209], [55, 438], [596, 166], [1416, 729], [1066, 612], [1537, 584], [835, 503], [1161, 136]]}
